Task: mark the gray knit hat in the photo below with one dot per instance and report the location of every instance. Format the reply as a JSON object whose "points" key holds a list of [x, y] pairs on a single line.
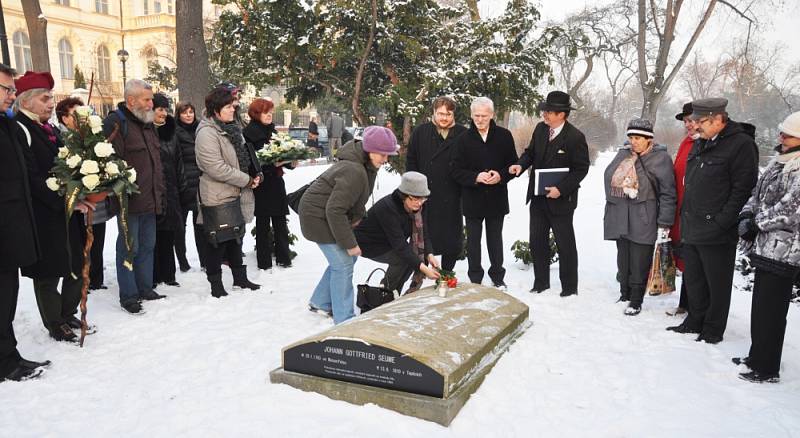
{"points": [[414, 184], [642, 127]]}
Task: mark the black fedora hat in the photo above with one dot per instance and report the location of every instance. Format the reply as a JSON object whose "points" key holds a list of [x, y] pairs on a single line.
{"points": [[556, 101], [687, 110]]}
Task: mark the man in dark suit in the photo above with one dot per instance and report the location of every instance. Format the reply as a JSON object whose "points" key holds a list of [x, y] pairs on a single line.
{"points": [[430, 152], [480, 165], [18, 242], [555, 143]]}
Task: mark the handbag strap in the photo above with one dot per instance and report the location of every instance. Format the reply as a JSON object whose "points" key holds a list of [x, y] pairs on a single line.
{"points": [[373, 271]]}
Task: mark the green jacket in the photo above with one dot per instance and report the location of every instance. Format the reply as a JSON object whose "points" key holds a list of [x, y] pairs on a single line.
{"points": [[336, 199]]}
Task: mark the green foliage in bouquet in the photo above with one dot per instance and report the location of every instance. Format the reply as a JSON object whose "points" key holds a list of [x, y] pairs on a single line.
{"points": [[283, 148], [88, 164]]}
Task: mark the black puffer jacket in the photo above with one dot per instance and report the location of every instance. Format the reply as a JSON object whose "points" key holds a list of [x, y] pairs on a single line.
{"points": [[185, 138], [174, 177], [387, 227], [720, 176]]}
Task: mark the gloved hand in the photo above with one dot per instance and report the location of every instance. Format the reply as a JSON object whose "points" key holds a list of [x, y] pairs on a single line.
{"points": [[663, 235], [748, 230]]}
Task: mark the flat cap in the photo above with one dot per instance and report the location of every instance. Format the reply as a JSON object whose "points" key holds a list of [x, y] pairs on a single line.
{"points": [[706, 107]]}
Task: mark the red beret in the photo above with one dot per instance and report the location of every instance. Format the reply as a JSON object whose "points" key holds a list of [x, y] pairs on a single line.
{"points": [[32, 79]]}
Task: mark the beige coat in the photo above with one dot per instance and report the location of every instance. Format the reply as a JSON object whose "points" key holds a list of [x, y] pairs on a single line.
{"points": [[221, 180]]}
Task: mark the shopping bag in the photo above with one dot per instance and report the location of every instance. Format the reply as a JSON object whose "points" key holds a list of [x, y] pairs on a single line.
{"points": [[661, 279]]}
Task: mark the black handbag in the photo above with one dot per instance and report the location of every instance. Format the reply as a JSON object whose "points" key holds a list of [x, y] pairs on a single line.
{"points": [[293, 199], [370, 297], [223, 223]]}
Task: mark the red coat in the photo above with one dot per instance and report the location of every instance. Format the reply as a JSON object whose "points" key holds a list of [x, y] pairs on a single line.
{"points": [[680, 172]]}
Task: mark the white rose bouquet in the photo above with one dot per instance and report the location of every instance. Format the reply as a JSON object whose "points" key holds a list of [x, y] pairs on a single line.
{"points": [[87, 163], [283, 148]]}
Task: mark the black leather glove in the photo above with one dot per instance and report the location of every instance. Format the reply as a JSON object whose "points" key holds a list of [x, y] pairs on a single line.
{"points": [[748, 230]]}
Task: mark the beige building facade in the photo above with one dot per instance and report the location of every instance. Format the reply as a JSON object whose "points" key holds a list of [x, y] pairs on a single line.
{"points": [[88, 34]]}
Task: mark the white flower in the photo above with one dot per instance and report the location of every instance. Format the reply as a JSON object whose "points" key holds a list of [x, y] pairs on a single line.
{"points": [[132, 176], [103, 149], [52, 183], [73, 161], [96, 123], [63, 152], [112, 168], [90, 181], [89, 167], [83, 111]]}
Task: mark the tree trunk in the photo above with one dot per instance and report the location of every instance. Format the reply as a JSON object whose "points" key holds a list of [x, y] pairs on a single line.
{"points": [[406, 130], [193, 73], [37, 30], [474, 12], [357, 114]]}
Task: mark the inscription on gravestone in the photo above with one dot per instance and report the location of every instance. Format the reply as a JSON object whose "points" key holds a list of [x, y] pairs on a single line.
{"points": [[357, 362]]}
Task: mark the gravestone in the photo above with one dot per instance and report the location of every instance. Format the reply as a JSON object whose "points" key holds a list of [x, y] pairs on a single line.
{"points": [[420, 355]]}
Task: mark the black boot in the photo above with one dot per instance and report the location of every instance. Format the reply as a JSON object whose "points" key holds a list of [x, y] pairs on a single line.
{"points": [[240, 278], [217, 289]]}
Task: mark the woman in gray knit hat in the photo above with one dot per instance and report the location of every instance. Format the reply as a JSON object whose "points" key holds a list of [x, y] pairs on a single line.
{"points": [[394, 232], [640, 206]]}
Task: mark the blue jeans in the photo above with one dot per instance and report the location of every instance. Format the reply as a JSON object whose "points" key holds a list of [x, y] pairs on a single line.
{"points": [[334, 292], [142, 228]]}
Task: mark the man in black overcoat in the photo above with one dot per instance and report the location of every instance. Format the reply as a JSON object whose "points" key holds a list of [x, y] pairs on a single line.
{"points": [[555, 143], [430, 153], [18, 240], [721, 171], [481, 160], [58, 263]]}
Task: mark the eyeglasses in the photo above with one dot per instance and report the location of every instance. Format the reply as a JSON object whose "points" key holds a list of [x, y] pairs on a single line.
{"points": [[418, 198], [702, 121], [9, 90], [786, 136]]}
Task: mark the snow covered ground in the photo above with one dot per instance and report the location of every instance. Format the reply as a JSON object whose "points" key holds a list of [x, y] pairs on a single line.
{"points": [[195, 366]]}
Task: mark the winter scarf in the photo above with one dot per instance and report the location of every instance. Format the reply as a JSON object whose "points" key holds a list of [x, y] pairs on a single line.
{"points": [[234, 133], [418, 245], [625, 182]]}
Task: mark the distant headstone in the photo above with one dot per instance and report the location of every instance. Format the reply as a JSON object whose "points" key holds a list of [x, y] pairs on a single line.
{"points": [[420, 355]]}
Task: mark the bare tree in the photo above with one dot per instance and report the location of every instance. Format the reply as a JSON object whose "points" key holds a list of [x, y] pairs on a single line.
{"points": [[193, 71], [701, 78], [37, 29]]}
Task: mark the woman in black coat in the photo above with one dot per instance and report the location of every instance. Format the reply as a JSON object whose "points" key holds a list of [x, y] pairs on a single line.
{"points": [[481, 160], [61, 246], [430, 153], [271, 205], [186, 125], [169, 222]]}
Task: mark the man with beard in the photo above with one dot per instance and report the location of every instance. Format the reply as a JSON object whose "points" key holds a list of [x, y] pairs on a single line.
{"points": [[136, 141], [383, 235], [721, 171], [18, 240], [430, 153], [555, 143]]}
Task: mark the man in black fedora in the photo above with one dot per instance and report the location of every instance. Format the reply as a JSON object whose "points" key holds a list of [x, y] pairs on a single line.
{"points": [[555, 143]]}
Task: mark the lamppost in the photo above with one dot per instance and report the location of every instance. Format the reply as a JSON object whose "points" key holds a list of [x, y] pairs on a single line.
{"points": [[123, 56], [4, 38]]}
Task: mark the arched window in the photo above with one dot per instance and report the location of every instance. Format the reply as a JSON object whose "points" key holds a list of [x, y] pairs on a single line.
{"points": [[103, 63], [22, 52], [65, 59]]}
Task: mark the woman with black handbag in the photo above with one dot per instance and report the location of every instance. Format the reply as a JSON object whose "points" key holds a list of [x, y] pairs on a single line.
{"points": [[271, 204], [229, 175]]}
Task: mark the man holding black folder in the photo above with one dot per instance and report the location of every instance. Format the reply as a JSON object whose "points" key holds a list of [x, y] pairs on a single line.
{"points": [[559, 156]]}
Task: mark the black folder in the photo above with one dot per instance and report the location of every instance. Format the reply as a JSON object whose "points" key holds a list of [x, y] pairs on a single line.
{"points": [[548, 178]]}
